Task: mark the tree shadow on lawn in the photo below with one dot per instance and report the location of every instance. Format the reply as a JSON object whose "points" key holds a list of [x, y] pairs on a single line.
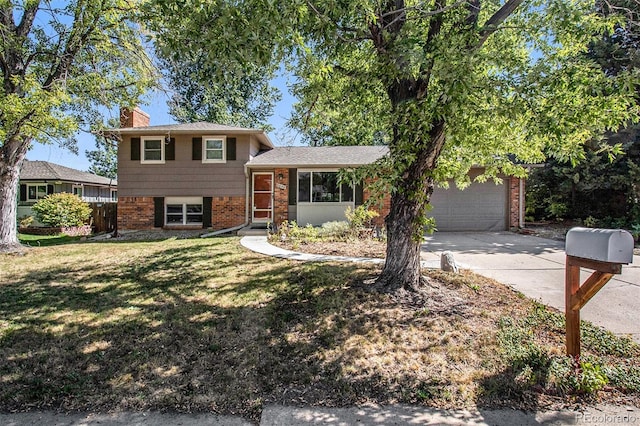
{"points": [[208, 328]]}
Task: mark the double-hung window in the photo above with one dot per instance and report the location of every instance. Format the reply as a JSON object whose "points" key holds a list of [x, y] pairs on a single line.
{"points": [[36, 192], [214, 149], [322, 187], [152, 149]]}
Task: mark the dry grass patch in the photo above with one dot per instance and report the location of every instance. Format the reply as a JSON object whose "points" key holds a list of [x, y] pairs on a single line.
{"points": [[203, 325]]}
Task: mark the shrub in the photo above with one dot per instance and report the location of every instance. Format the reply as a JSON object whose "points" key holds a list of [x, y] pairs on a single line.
{"points": [[291, 231], [591, 222], [360, 221], [335, 229], [62, 209], [25, 221]]}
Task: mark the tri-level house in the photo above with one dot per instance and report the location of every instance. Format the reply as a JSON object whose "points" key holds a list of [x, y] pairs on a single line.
{"points": [[205, 175]]}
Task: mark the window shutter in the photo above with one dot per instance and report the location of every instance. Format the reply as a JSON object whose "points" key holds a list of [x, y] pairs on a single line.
{"points": [[135, 149], [359, 195], [196, 149], [23, 192], [49, 189], [293, 187], [158, 212], [170, 150], [206, 211], [231, 149]]}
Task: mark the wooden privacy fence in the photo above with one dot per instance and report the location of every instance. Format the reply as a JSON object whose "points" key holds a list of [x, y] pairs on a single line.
{"points": [[104, 216]]}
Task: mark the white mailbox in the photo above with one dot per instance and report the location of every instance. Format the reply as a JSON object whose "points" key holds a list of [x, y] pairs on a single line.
{"points": [[605, 245]]}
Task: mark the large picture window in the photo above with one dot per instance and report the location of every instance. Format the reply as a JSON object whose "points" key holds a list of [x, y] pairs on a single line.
{"points": [[213, 149], [183, 211], [322, 187], [152, 150]]}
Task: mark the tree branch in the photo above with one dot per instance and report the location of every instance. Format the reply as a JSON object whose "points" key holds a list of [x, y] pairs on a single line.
{"points": [[24, 27], [498, 18]]}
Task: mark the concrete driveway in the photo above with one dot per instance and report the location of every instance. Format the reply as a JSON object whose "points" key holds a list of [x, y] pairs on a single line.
{"points": [[536, 267]]}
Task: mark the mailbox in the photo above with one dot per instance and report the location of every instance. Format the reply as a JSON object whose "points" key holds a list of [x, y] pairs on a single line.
{"points": [[604, 245]]}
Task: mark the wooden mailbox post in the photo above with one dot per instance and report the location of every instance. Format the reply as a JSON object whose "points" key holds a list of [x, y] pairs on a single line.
{"points": [[602, 250]]}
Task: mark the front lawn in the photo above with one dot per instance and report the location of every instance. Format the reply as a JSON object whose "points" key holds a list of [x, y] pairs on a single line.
{"points": [[203, 325], [45, 240]]}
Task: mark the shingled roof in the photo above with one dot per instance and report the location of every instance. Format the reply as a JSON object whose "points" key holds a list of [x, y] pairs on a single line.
{"points": [[319, 156], [200, 127], [44, 170]]}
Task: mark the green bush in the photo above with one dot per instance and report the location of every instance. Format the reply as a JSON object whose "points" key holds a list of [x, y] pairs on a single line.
{"points": [[360, 218], [335, 229], [62, 209]]}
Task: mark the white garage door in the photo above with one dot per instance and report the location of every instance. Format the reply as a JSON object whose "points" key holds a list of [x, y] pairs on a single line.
{"points": [[479, 207]]}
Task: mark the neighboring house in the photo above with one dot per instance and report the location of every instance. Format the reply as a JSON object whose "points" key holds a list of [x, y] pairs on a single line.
{"points": [[41, 178], [204, 175]]}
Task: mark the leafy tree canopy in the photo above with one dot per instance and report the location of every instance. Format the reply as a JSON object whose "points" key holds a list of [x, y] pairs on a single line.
{"points": [[63, 64], [446, 84]]}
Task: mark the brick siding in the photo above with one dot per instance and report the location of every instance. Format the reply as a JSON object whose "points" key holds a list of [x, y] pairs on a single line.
{"points": [[514, 203], [281, 196], [382, 206], [227, 212], [135, 213], [135, 118]]}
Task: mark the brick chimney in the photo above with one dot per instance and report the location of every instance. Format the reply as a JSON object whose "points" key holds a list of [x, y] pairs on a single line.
{"points": [[135, 118]]}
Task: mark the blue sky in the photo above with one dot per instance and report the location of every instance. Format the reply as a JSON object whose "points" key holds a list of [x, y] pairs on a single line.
{"points": [[159, 113]]}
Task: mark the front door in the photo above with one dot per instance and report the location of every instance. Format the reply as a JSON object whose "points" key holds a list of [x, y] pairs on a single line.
{"points": [[262, 197]]}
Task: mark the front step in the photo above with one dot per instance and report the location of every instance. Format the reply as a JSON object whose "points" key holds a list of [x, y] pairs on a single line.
{"points": [[251, 231]]}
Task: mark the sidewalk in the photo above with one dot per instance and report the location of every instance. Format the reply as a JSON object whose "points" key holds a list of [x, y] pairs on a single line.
{"points": [[397, 415]]}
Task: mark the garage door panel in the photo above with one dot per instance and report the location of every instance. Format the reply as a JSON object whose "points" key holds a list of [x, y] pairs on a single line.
{"points": [[479, 207]]}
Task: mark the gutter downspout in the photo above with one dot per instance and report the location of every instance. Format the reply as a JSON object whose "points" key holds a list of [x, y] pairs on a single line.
{"points": [[246, 211]]}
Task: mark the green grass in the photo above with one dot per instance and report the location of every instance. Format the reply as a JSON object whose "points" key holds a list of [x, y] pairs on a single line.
{"points": [[204, 325], [46, 240]]}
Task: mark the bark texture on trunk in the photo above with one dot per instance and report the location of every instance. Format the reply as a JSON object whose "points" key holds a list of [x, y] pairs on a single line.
{"points": [[404, 227], [12, 154], [402, 266]]}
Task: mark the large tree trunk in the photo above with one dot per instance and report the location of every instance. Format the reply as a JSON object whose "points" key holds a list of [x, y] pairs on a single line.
{"points": [[404, 222], [12, 155], [402, 266]]}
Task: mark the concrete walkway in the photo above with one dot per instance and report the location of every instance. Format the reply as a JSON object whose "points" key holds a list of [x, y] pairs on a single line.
{"points": [[259, 244], [397, 415]]}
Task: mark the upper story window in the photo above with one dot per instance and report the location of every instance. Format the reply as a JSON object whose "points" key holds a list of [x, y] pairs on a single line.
{"points": [[322, 187], [152, 149], [114, 195], [214, 149], [36, 192]]}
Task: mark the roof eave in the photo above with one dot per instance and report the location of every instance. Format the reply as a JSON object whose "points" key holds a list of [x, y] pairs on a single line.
{"points": [[260, 134], [304, 166]]}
